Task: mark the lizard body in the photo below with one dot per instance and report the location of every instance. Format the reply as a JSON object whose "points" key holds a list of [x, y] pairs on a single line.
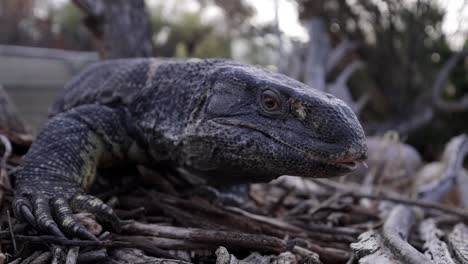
{"points": [[224, 121]]}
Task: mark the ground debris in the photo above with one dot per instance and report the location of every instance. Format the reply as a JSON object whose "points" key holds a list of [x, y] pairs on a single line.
{"points": [[458, 240], [290, 220]]}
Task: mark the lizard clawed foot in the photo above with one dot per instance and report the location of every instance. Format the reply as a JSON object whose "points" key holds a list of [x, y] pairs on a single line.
{"points": [[55, 215], [103, 212]]}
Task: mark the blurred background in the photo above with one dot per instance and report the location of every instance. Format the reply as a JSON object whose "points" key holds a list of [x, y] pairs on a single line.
{"points": [[400, 64]]}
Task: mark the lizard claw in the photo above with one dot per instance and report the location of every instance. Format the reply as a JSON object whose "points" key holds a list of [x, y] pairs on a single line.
{"points": [[67, 222], [44, 218], [54, 215], [96, 206], [22, 209]]}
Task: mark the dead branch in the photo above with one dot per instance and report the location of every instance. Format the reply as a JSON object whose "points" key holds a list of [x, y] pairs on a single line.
{"points": [[58, 254], [457, 240], [11, 124], [441, 79], [389, 245], [121, 28], [95, 256], [340, 89], [348, 71], [33, 256], [213, 237], [427, 205], [337, 54], [267, 220], [43, 258], [12, 234], [437, 179], [72, 255], [4, 180], [434, 248], [355, 192], [131, 255], [164, 243]]}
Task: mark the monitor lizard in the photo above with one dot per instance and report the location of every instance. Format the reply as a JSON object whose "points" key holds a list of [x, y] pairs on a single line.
{"points": [[222, 120]]}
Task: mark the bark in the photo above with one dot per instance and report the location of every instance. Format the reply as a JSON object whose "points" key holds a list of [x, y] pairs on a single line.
{"points": [[434, 247], [121, 28], [11, 124], [390, 245], [457, 240], [131, 255], [72, 255], [213, 237], [437, 179]]}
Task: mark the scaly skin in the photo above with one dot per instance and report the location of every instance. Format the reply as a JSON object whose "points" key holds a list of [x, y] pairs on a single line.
{"points": [[223, 121]]}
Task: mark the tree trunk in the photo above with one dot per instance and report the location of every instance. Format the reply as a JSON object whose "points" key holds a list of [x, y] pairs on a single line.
{"points": [[10, 124], [121, 28], [316, 54]]}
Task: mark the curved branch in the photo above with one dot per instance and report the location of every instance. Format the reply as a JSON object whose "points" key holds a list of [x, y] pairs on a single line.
{"points": [[94, 7], [340, 89], [390, 244], [348, 72], [441, 79], [434, 247], [454, 154], [339, 52]]}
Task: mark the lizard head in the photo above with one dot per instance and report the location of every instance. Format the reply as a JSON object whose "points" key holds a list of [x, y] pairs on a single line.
{"points": [[260, 125]]}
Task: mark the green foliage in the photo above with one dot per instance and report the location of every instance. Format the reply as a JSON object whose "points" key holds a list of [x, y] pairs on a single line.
{"points": [[71, 32], [182, 32]]}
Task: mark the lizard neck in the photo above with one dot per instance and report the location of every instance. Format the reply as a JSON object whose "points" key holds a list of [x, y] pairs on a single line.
{"points": [[164, 108]]}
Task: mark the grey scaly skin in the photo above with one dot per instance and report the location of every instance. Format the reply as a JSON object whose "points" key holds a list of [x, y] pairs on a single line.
{"points": [[224, 121]]}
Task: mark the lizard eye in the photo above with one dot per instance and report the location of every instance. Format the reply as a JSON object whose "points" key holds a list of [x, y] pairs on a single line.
{"points": [[271, 102]]}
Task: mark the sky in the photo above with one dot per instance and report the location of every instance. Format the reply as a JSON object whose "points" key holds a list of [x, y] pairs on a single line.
{"points": [[455, 23], [288, 16]]}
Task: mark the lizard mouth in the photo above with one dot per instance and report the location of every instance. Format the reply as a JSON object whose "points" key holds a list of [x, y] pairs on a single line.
{"points": [[348, 165], [345, 165]]}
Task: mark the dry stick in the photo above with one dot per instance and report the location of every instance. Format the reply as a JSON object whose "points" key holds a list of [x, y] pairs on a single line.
{"points": [[172, 206], [58, 254], [7, 144], [4, 182], [10, 226], [326, 203], [72, 255], [32, 257], [42, 259], [434, 246], [216, 237], [164, 243], [16, 261], [457, 241], [428, 205], [84, 243], [280, 201], [92, 256], [277, 223]]}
